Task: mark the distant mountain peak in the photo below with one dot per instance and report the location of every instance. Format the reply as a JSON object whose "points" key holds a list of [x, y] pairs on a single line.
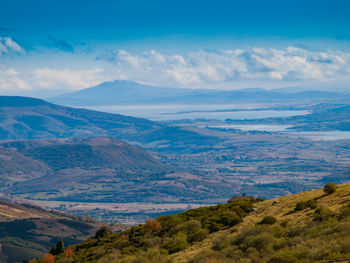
{"points": [[119, 92]]}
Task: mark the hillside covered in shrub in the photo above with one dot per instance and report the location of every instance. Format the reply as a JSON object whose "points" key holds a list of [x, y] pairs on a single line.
{"points": [[312, 226]]}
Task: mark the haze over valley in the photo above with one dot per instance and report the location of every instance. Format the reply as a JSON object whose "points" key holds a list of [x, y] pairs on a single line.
{"points": [[174, 131]]}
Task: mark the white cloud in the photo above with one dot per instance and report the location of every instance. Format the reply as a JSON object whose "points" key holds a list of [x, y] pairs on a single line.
{"points": [[225, 69], [48, 78], [290, 64], [10, 80], [7, 45]]}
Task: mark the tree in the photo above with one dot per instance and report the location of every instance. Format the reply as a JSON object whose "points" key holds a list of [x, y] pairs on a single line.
{"points": [[103, 232], [329, 188], [58, 248]]}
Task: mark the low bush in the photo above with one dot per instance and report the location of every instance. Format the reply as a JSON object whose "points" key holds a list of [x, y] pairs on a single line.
{"points": [[283, 258], [305, 204], [322, 214], [329, 188], [268, 220], [103, 232]]}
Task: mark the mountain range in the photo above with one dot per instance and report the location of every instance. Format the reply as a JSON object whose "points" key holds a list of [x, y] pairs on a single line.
{"points": [[121, 92]]}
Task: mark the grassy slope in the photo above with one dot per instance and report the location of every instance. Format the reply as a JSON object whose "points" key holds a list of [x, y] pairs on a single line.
{"points": [[282, 209], [296, 237]]}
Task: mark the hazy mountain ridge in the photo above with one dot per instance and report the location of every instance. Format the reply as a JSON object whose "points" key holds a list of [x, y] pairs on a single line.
{"points": [[124, 92], [37, 119], [29, 118], [127, 92]]}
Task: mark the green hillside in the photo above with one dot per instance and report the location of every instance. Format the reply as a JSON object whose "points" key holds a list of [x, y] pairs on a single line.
{"points": [[312, 226], [92, 169], [28, 118]]}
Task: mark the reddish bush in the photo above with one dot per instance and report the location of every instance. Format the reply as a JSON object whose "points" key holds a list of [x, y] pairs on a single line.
{"points": [[48, 258], [68, 252], [153, 225], [125, 237]]}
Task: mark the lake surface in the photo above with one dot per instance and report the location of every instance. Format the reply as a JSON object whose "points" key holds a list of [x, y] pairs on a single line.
{"points": [[253, 127], [323, 135], [283, 129], [192, 112]]}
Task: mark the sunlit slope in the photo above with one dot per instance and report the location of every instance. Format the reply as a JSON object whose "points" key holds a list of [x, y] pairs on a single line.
{"points": [[28, 231], [299, 222], [307, 227]]}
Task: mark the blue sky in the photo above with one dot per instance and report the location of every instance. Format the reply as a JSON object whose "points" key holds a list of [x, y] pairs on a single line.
{"points": [[59, 46]]}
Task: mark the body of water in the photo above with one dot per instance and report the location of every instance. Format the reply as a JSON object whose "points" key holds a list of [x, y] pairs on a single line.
{"points": [[253, 127], [323, 135], [283, 129], [192, 112]]}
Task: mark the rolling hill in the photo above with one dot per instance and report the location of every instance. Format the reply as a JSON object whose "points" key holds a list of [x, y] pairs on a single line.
{"points": [[99, 169], [28, 231], [24, 118], [307, 227]]}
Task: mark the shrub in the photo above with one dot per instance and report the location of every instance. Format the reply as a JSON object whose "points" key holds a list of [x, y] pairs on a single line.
{"points": [[176, 243], [268, 220], [152, 255], [199, 235], [68, 252], [221, 242], [103, 232], [260, 242], [48, 258], [284, 223], [308, 204], [322, 214], [230, 219], [344, 212], [208, 256], [300, 206], [329, 188], [152, 242], [283, 258], [311, 204], [153, 225]]}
